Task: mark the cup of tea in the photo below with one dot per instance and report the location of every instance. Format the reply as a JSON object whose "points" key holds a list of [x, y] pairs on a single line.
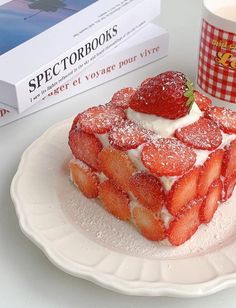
{"points": [[216, 76]]}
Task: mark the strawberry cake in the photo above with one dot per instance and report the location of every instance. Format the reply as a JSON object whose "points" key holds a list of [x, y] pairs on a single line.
{"points": [[160, 156]]}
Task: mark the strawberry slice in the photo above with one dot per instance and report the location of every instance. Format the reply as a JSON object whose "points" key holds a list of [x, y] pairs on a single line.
{"points": [[168, 157], [223, 117], [146, 81], [117, 166], [185, 224], [229, 185], [210, 172], [229, 161], [127, 135], [203, 134], [84, 178], [85, 147], [76, 121], [114, 200], [121, 98], [202, 101], [211, 203], [183, 191], [149, 225], [100, 119], [148, 190]]}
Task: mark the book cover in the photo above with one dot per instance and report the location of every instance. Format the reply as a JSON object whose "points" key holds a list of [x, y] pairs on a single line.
{"points": [[66, 38], [148, 45], [22, 20]]}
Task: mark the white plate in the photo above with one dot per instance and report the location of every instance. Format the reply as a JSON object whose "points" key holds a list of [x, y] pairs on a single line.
{"points": [[82, 239]]}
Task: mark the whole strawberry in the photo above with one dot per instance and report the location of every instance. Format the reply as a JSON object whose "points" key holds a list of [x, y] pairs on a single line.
{"points": [[169, 95]]}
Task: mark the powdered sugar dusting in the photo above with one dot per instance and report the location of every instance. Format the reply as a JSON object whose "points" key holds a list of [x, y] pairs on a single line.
{"points": [[111, 127], [94, 222], [203, 134], [127, 135], [168, 157], [100, 119], [225, 118], [202, 155], [121, 97]]}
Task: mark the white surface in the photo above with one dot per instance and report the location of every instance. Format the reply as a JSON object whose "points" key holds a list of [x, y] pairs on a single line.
{"points": [[81, 238], [28, 279]]}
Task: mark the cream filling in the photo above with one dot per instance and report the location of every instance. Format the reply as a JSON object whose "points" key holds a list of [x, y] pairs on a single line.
{"points": [[161, 126], [164, 128]]}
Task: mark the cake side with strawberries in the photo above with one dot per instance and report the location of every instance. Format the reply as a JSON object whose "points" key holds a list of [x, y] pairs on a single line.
{"points": [[160, 156]]}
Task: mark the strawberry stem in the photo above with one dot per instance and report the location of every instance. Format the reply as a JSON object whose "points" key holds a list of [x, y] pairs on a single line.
{"points": [[189, 94]]}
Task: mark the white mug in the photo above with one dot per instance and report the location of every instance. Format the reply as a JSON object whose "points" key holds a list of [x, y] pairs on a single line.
{"points": [[216, 75]]}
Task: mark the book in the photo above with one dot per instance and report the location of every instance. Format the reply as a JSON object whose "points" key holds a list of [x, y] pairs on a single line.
{"points": [[148, 45], [69, 36]]}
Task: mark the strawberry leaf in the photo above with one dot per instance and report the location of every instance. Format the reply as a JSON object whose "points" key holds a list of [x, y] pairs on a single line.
{"points": [[190, 102], [189, 94]]}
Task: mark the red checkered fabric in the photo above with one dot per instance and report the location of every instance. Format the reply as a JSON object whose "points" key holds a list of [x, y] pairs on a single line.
{"points": [[217, 63]]}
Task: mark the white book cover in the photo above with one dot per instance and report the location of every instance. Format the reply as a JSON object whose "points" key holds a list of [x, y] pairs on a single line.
{"points": [[45, 43], [148, 45]]}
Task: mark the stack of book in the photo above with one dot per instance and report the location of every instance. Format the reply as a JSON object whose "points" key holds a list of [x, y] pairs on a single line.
{"points": [[65, 47]]}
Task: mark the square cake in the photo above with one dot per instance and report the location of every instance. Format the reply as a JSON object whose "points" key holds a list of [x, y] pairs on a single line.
{"points": [[160, 156]]}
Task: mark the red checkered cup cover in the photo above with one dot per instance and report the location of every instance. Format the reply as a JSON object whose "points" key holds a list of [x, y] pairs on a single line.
{"points": [[217, 63]]}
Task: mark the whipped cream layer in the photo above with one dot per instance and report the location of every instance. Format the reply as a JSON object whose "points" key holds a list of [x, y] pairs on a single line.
{"points": [[161, 126], [165, 128]]}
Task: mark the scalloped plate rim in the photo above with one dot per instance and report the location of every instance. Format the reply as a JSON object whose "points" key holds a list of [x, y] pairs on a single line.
{"points": [[102, 279]]}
